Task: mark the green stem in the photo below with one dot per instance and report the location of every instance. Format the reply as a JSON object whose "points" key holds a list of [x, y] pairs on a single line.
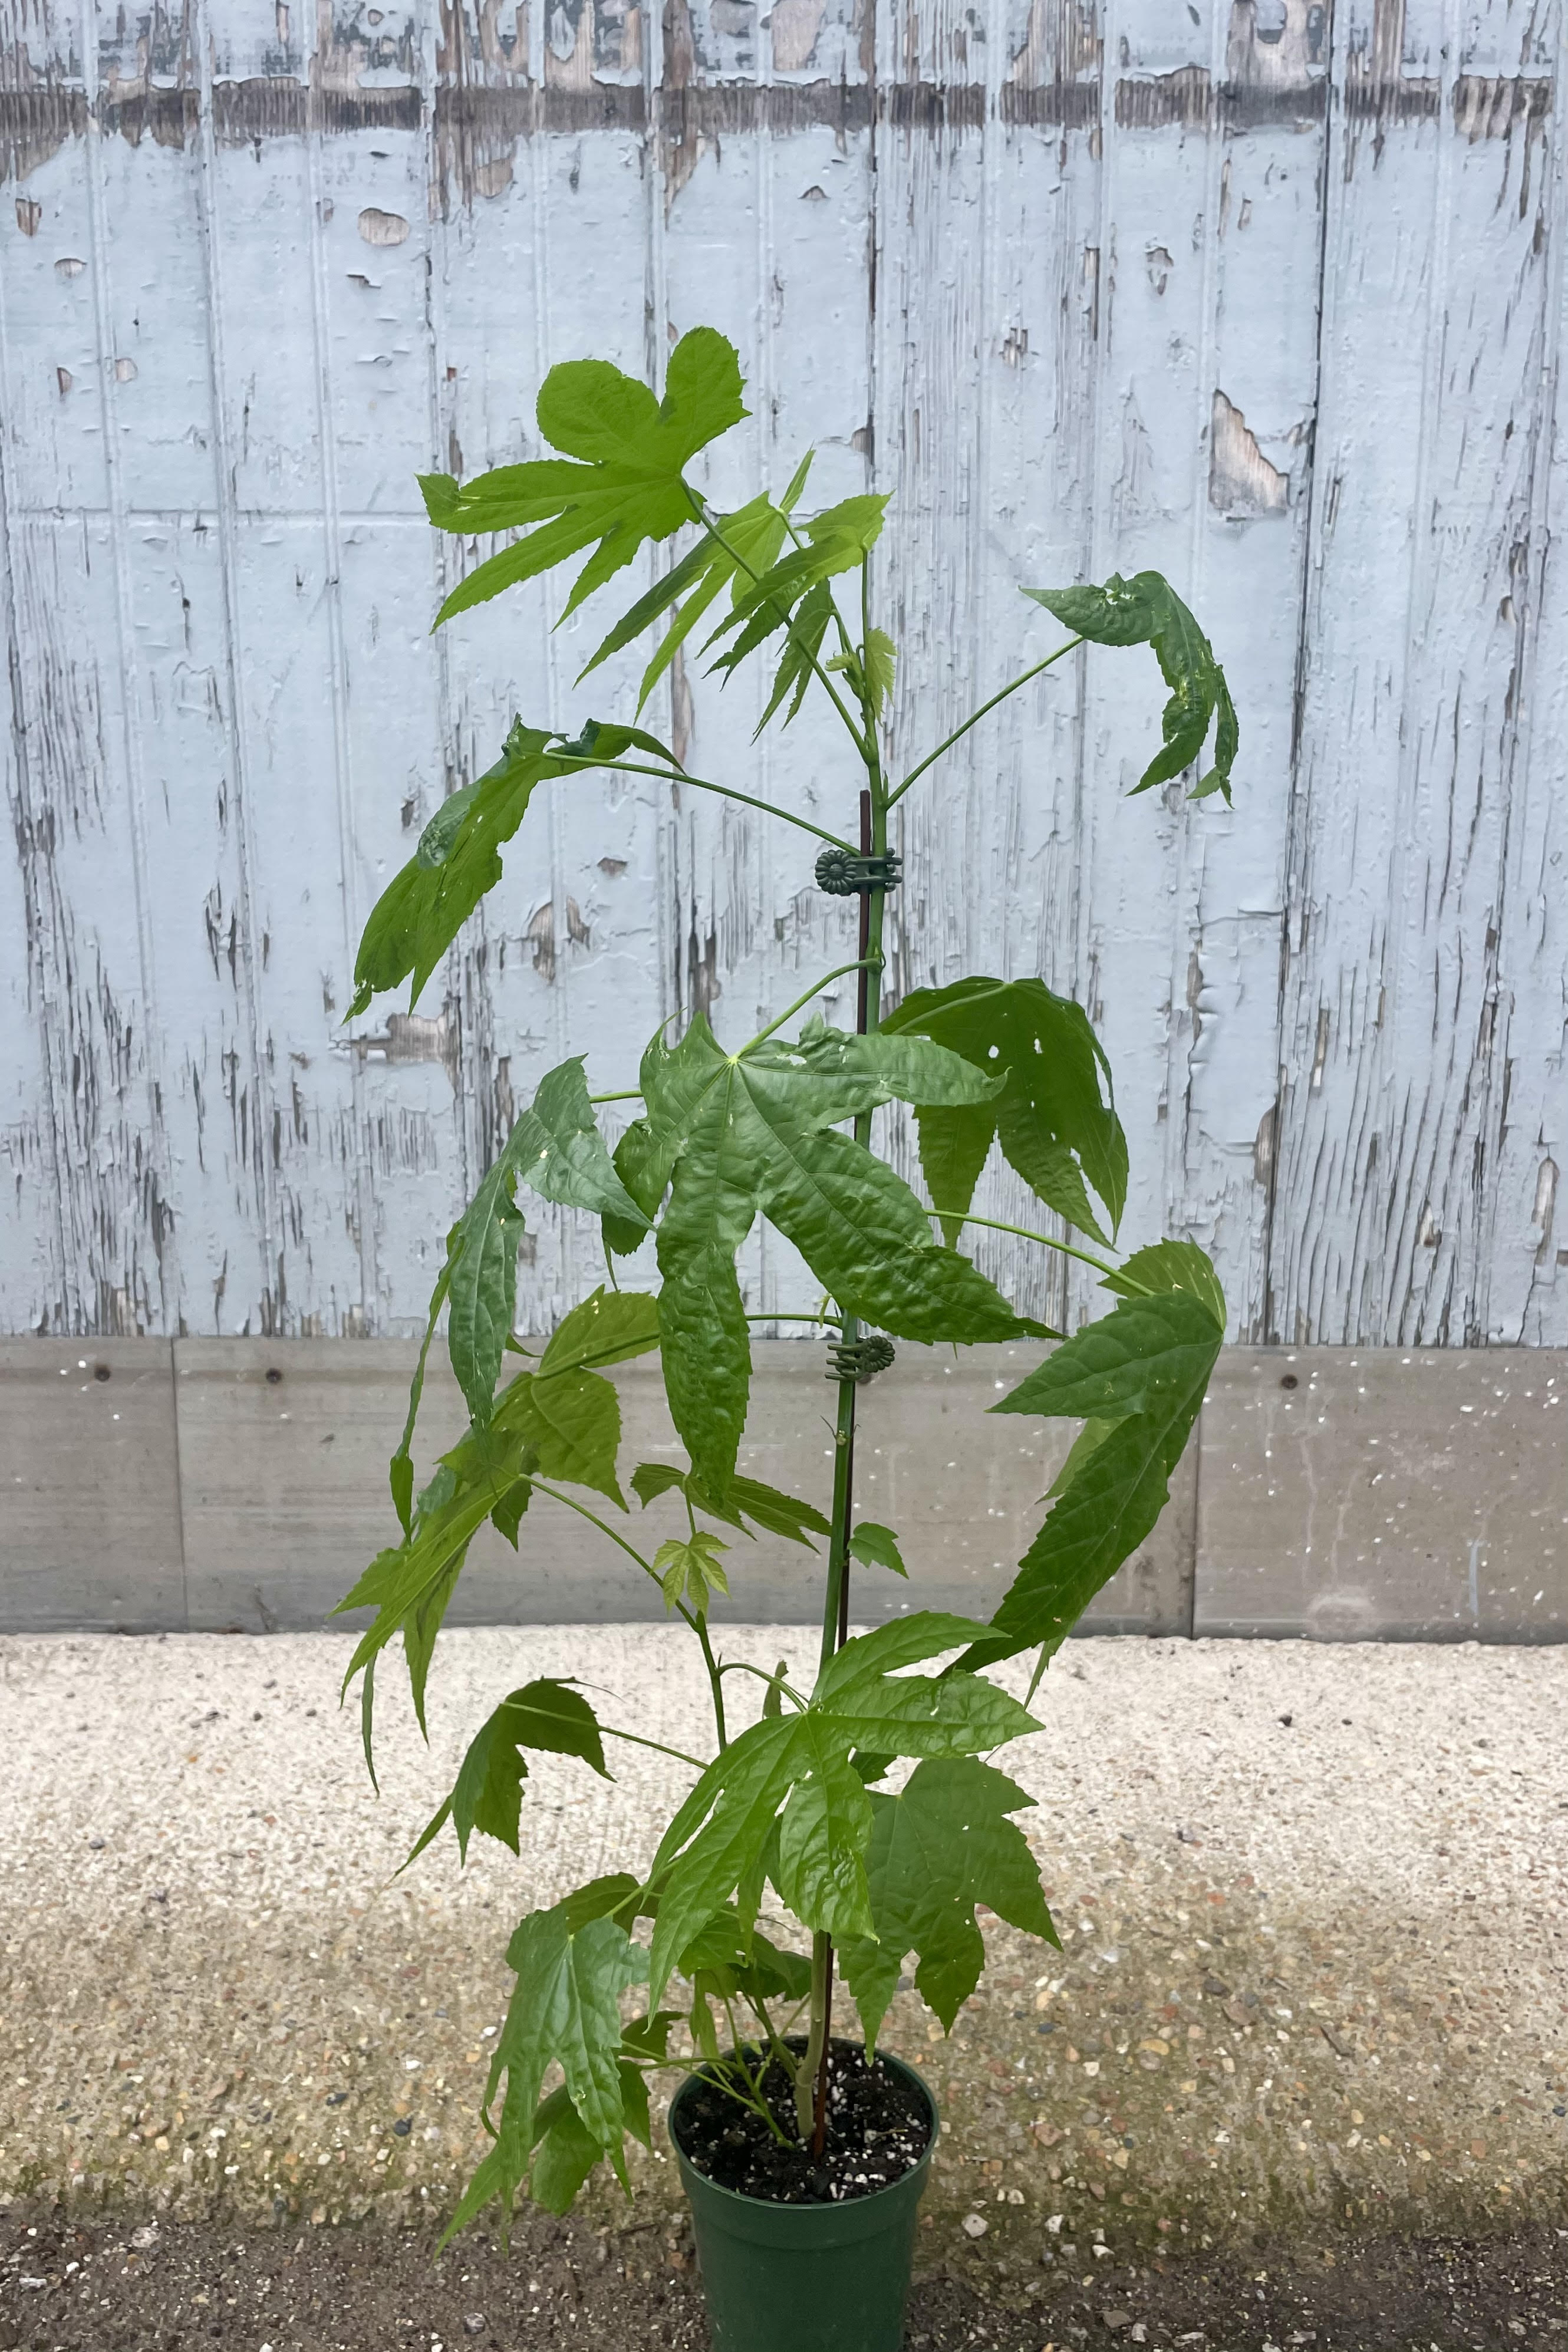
{"points": [[1047, 1241], [725, 792], [622, 1094], [715, 1680], [794, 1319], [680, 1754], [743, 1667], [812, 2082], [974, 718], [648, 1569], [814, 2063], [860, 963]]}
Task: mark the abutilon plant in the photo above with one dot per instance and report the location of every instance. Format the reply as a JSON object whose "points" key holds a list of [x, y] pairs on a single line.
{"points": [[795, 1803]]}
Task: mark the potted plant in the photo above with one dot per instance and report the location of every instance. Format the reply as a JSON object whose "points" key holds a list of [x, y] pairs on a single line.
{"points": [[862, 1803]]}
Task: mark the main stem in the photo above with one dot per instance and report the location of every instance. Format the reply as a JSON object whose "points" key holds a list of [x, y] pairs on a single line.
{"points": [[813, 2079]]}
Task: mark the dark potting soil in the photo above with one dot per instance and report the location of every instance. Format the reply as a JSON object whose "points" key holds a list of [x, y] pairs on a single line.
{"points": [[879, 2127]]}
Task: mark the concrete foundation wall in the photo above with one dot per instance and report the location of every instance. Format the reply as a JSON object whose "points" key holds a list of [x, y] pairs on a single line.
{"points": [[1345, 1494]]}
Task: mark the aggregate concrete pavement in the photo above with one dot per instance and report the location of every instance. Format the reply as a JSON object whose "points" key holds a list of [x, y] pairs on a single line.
{"points": [[1313, 1900]]}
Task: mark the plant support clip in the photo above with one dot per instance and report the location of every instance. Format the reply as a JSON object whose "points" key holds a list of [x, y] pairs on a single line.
{"points": [[846, 873], [858, 1360]]}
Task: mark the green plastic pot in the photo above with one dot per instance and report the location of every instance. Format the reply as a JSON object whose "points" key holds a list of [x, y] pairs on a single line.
{"points": [[805, 2278]]}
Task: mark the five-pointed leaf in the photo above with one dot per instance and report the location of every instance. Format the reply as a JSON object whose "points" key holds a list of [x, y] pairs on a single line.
{"points": [[1055, 1117], [863, 1699], [458, 858], [733, 1134], [1146, 610], [940, 1847], [688, 1568], [625, 487]]}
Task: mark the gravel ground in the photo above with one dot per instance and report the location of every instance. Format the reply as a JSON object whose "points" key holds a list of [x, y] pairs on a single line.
{"points": [[1313, 1900], [68, 2287]]}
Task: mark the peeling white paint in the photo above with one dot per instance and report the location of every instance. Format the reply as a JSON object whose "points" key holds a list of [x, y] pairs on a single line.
{"points": [[1274, 300]]}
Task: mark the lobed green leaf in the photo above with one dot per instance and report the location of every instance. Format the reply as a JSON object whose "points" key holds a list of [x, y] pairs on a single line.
{"points": [[1146, 610], [546, 1715], [1054, 1112], [627, 486], [939, 1848]]}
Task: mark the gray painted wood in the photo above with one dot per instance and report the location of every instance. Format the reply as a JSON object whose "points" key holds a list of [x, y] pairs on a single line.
{"points": [[1382, 1494], [90, 1496], [1274, 300]]}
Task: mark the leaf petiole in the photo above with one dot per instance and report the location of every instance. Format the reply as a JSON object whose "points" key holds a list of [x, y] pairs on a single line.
{"points": [[680, 1754], [741, 1667], [861, 963], [777, 1317], [725, 792], [1047, 1241], [975, 717]]}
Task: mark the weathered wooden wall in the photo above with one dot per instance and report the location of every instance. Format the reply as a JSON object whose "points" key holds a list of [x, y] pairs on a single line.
{"points": [[1268, 294]]}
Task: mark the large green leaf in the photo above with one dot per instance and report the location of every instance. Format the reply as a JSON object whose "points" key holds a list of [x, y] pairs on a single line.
{"points": [[1146, 610], [735, 1134], [547, 1715], [458, 859], [936, 1850], [625, 489], [554, 1148], [1137, 1379], [863, 1698], [564, 2011], [1055, 1117]]}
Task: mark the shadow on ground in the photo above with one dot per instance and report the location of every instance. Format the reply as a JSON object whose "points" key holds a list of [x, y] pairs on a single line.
{"points": [[71, 2285]]}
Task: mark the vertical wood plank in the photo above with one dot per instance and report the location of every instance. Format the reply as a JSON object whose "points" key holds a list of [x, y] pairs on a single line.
{"points": [[1215, 148], [1432, 431]]}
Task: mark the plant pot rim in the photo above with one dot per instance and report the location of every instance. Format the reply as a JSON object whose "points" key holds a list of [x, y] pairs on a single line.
{"points": [[898, 2187]]}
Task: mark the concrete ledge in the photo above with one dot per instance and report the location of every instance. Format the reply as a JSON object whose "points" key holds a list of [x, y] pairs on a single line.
{"points": [[1384, 1495], [215, 1485]]}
